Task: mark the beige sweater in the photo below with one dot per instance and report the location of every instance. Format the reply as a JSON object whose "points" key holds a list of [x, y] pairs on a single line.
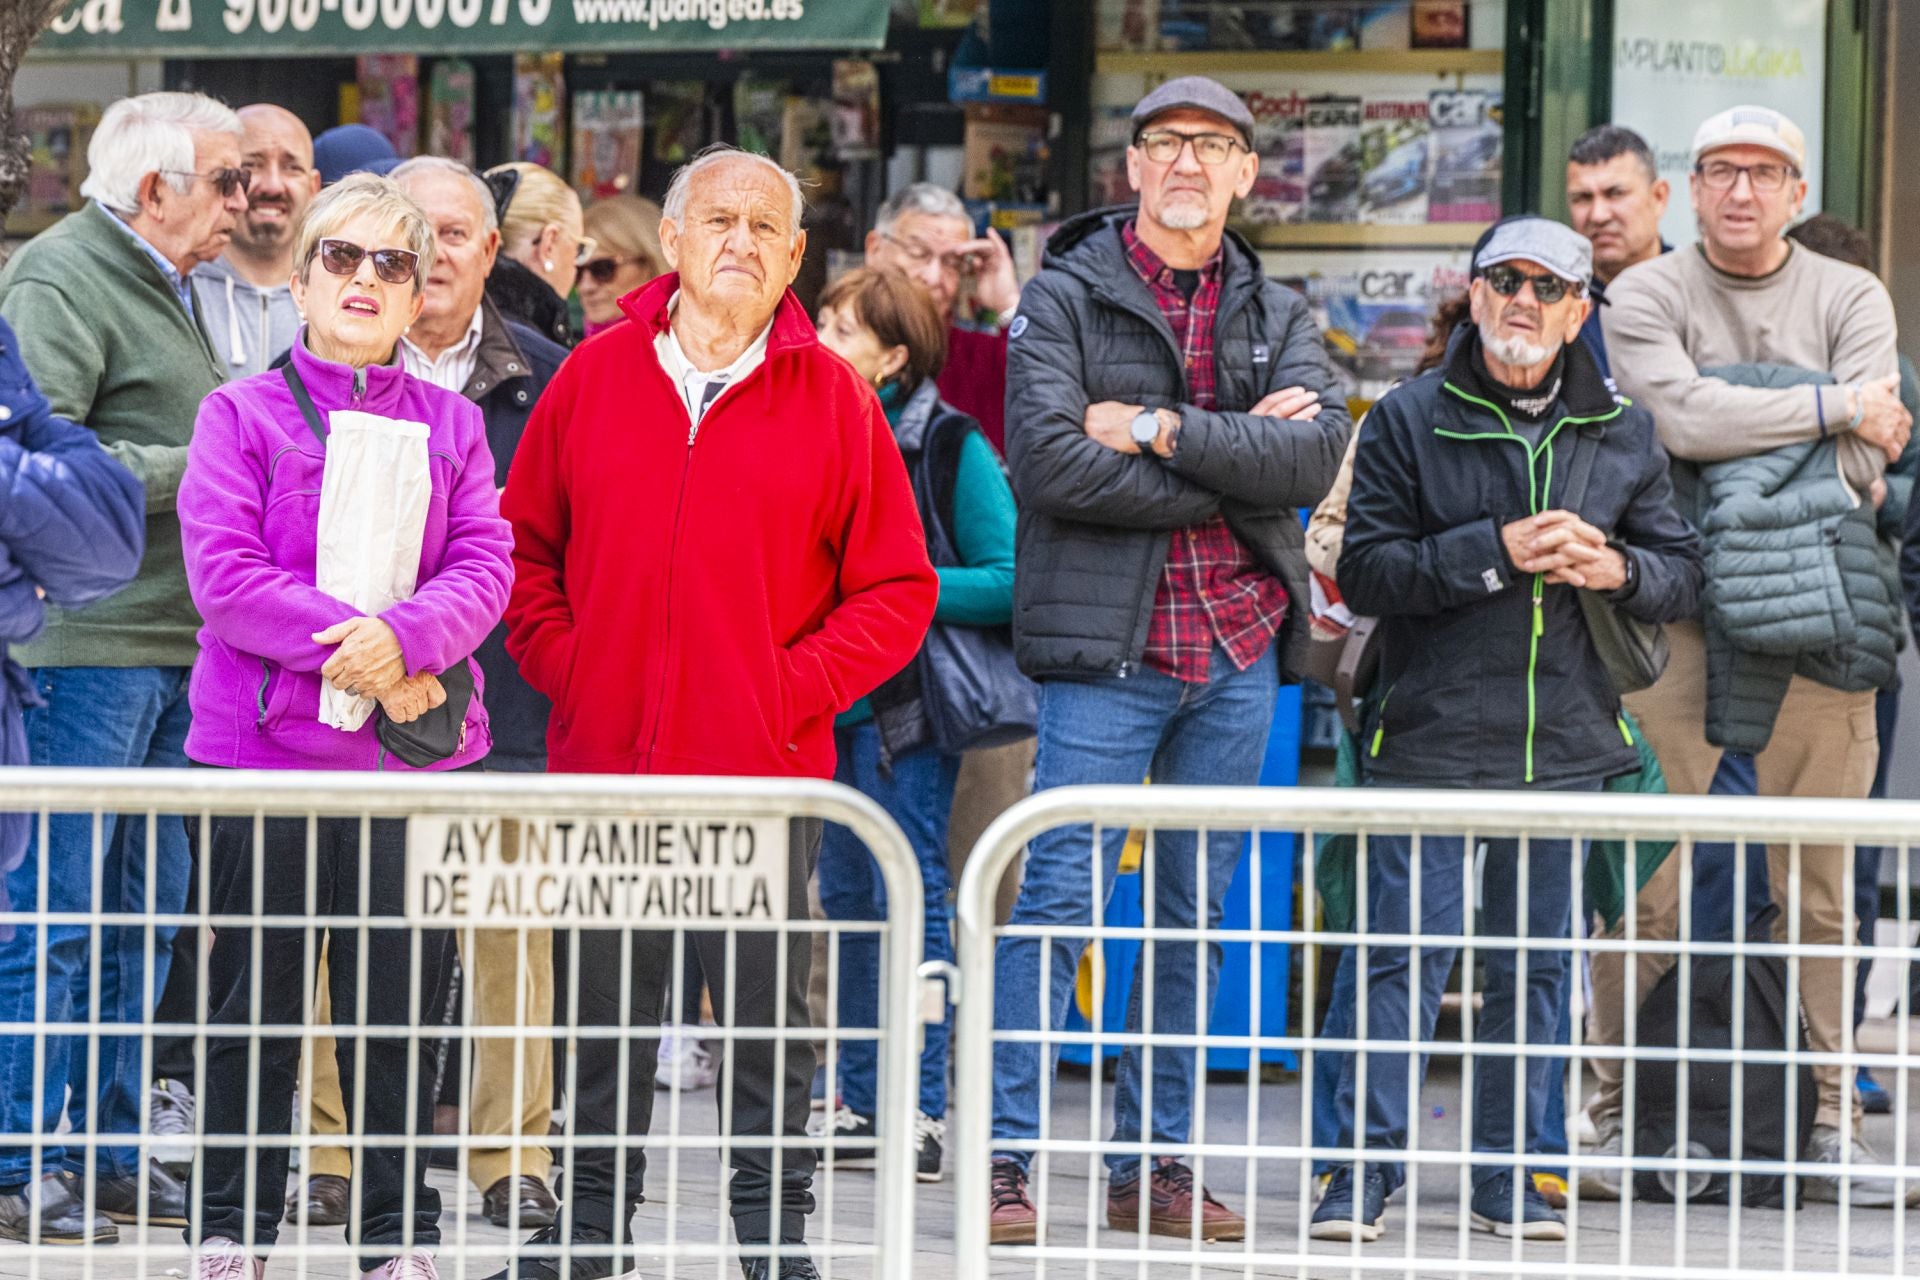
{"points": [[1670, 317]]}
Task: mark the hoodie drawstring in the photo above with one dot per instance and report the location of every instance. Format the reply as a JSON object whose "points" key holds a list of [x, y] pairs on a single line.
{"points": [[236, 352]]}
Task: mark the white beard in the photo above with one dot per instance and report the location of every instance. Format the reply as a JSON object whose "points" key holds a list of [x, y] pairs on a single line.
{"points": [[1515, 351], [1183, 217]]}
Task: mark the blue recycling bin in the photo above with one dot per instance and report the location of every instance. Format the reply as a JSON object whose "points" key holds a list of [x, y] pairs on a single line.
{"points": [[1235, 1006]]}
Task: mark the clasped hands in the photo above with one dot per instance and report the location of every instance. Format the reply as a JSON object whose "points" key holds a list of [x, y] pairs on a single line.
{"points": [[368, 663], [1566, 549], [1110, 422]]}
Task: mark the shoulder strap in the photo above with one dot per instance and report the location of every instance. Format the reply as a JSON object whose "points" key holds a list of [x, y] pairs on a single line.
{"points": [[305, 401], [1585, 446]]}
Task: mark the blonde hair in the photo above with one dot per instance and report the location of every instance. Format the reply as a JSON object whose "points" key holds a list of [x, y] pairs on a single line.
{"points": [[629, 226], [540, 198], [365, 193]]}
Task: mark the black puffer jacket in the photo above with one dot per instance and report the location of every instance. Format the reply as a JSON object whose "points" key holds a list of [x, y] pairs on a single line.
{"points": [[524, 297], [1487, 677], [1095, 523]]}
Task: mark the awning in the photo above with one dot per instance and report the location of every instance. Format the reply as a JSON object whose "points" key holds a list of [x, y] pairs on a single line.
{"points": [[309, 28]]}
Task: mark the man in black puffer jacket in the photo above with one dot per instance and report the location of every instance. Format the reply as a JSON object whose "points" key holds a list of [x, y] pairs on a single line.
{"points": [[1168, 410], [1488, 494]]}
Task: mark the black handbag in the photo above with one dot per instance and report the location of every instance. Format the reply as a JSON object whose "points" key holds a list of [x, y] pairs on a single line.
{"points": [[972, 691], [1635, 652], [441, 733]]}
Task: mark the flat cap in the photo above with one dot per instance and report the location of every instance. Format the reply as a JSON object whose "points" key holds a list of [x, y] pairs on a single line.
{"points": [[1555, 246], [1199, 94]]}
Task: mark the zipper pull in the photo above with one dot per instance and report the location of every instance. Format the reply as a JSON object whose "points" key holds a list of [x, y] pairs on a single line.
{"points": [[1539, 615]]}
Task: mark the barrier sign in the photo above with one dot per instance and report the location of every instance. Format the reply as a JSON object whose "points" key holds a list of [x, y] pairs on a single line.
{"points": [[617, 872]]}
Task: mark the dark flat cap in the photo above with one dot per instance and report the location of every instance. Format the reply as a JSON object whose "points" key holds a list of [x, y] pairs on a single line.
{"points": [[1200, 94]]}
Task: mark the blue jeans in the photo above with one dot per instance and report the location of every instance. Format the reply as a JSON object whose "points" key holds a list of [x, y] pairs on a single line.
{"points": [[1118, 730], [919, 796], [114, 717], [1714, 865], [1443, 903]]}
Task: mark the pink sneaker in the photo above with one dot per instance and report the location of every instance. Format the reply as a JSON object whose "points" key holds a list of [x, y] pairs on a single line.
{"points": [[415, 1264], [219, 1258]]}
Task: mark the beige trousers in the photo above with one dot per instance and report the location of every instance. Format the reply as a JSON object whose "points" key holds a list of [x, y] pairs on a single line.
{"points": [[1825, 743], [508, 989]]}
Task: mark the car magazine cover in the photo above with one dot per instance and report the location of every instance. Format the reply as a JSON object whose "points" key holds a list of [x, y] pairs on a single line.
{"points": [[1393, 159], [1372, 305], [1466, 156], [1279, 193], [1331, 157]]}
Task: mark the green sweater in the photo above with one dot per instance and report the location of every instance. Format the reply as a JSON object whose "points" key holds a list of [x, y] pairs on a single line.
{"points": [[105, 337], [980, 592]]}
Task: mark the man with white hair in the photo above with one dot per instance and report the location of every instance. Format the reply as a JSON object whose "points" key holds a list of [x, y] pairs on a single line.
{"points": [[716, 551], [1488, 495], [924, 232], [107, 324], [246, 294]]}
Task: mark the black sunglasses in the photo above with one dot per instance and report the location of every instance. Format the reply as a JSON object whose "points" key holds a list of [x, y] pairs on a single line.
{"points": [[1506, 281], [343, 258], [225, 181], [602, 270]]}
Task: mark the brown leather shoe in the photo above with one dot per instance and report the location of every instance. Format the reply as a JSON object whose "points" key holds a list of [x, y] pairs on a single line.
{"points": [[1014, 1220], [320, 1201], [524, 1200], [1170, 1206]]}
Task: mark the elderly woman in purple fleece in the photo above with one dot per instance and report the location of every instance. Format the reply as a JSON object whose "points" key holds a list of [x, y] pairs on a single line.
{"points": [[249, 514]]}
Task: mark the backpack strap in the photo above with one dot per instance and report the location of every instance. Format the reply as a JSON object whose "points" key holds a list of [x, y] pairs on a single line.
{"points": [[1586, 446], [305, 401]]}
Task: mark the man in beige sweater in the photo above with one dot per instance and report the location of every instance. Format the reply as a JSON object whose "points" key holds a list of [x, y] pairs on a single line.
{"points": [[1745, 295]]}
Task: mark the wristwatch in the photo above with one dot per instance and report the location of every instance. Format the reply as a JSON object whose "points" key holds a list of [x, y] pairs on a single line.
{"points": [[1146, 429]]}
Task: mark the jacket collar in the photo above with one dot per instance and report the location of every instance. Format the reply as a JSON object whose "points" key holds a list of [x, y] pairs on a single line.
{"points": [[1583, 391], [498, 359], [331, 384], [910, 432], [647, 308]]}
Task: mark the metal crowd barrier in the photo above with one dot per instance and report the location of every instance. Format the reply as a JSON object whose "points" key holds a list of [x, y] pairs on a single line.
{"points": [[524, 854], [1251, 1140]]}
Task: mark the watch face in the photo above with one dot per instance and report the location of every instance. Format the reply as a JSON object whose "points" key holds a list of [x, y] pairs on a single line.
{"points": [[1145, 427]]}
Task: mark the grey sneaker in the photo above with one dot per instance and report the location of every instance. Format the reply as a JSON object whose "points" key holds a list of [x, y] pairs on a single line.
{"points": [[170, 1120], [1603, 1184], [1862, 1191]]}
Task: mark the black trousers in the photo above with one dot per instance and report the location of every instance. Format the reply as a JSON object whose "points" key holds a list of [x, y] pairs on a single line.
{"points": [[179, 999], [761, 1105], [397, 1207]]}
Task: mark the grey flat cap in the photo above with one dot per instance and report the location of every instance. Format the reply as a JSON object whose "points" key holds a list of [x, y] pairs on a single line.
{"points": [[1201, 94], [1555, 246]]}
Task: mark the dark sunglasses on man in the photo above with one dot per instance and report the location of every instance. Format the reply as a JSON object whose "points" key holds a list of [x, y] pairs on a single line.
{"points": [[225, 181], [343, 258], [1506, 280]]}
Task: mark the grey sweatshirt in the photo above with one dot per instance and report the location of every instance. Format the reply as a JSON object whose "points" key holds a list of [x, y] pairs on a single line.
{"points": [[248, 327]]}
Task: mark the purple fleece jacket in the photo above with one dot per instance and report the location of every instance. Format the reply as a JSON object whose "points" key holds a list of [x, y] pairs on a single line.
{"points": [[249, 514]]}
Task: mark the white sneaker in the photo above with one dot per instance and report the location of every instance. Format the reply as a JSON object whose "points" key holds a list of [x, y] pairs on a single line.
{"points": [[1603, 1184], [684, 1062], [219, 1258], [1869, 1191], [1587, 1133], [415, 1264], [170, 1116], [930, 1136]]}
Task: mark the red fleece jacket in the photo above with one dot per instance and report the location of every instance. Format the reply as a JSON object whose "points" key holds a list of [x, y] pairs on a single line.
{"points": [[705, 603]]}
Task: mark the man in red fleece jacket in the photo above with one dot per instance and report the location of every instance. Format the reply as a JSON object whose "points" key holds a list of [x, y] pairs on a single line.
{"points": [[716, 551]]}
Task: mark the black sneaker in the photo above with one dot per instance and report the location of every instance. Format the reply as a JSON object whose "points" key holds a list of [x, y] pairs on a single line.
{"points": [[1343, 1216], [540, 1257], [119, 1198], [849, 1139], [1492, 1209], [932, 1134], [800, 1268], [63, 1214]]}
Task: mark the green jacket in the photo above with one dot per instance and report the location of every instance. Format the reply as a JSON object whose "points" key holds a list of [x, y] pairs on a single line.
{"points": [[107, 340]]}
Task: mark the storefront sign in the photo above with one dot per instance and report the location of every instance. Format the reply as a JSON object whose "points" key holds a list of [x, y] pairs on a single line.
{"points": [[1676, 64], [247, 28], [659, 870]]}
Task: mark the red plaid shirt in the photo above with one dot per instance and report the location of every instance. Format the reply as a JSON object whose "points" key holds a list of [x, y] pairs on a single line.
{"points": [[1212, 588]]}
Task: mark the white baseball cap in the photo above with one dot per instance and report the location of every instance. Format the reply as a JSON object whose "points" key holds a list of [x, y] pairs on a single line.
{"points": [[1753, 127]]}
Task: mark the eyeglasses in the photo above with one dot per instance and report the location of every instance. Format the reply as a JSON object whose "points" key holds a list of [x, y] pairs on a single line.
{"points": [[602, 270], [227, 182], [1721, 175], [918, 255], [584, 253], [343, 258], [1506, 281], [1163, 146]]}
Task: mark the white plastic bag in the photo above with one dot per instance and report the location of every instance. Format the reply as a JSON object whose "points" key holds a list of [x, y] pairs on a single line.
{"points": [[373, 517]]}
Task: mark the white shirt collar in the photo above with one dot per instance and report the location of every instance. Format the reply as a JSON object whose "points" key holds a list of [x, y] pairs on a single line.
{"points": [[451, 369], [693, 383]]}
